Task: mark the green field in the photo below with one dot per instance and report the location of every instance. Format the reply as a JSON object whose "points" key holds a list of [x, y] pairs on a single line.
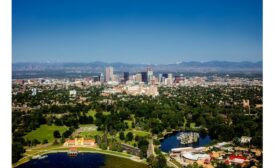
{"points": [[117, 162], [93, 112], [45, 132], [90, 134], [192, 125], [135, 132], [129, 122], [89, 131], [138, 132]]}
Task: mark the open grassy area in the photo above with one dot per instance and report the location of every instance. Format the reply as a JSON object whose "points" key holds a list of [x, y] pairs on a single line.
{"points": [[139, 133], [88, 131], [93, 112], [192, 125], [116, 162], [129, 123], [135, 132], [45, 132], [90, 134]]}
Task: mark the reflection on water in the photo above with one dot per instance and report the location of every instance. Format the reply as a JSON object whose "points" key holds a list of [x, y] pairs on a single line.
{"points": [[171, 142], [62, 160]]}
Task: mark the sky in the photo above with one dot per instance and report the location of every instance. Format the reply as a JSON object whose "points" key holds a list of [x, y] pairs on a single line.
{"points": [[136, 31]]}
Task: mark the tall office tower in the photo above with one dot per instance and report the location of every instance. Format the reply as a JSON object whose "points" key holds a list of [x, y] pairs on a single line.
{"points": [[170, 79], [149, 74], [109, 74], [165, 75], [126, 76], [101, 77], [144, 77], [170, 75], [138, 77], [96, 78], [160, 78]]}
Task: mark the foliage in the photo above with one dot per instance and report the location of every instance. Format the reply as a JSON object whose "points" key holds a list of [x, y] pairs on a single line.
{"points": [[17, 151], [56, 134], [129, 136], [157, 162], [121, 136]]}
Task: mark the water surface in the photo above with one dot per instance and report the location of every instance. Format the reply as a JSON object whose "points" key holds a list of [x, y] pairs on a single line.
{"points": [[171, 141], [82, 160]]}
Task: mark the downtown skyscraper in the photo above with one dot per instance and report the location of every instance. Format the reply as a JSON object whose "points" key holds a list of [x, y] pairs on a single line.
{"points": [[109, 74]]}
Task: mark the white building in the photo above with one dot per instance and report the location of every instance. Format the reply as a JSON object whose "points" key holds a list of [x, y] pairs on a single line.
{"points": [[72, 93], [245, 139], [34, 91]]}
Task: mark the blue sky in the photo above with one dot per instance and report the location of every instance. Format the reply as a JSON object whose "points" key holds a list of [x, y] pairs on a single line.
{"points": [[136, 31]]}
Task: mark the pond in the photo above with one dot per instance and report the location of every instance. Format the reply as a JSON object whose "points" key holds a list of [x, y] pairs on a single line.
{"points": [[171, 141], [87, 160]]}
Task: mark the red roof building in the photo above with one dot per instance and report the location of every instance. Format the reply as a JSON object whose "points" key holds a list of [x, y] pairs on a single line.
{"points": [[237, 159]]}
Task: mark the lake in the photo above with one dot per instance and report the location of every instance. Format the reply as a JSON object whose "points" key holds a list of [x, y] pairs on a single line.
{"points": [[171, 141], [87, 160]]}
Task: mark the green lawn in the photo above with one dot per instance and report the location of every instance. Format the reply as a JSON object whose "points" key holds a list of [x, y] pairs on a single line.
{"points": [[45, 132], [129, 122], [90, 134], [88, 126], [89, 131], [135, 132], [138, 132], [192, 125], [93, 112], [116, 162]]}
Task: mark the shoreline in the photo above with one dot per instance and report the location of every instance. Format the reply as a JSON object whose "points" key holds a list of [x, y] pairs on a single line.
{"points": [[82, 150]]}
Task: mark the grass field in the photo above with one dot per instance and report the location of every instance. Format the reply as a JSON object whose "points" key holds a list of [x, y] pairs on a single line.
{"points": [[192, 125], [90, 134], [129, 122], [45, 132], [137, 132], [89, 131], [116, 162], [93, 112]]}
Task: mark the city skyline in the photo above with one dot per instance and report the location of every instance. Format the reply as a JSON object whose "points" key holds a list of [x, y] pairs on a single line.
{"points": [[154, 32]]}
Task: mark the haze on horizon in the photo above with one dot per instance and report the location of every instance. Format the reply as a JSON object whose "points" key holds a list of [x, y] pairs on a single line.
{"points": [[136, 31]]}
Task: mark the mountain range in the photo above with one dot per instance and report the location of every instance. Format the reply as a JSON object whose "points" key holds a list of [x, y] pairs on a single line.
{"points": [[95, 67]]}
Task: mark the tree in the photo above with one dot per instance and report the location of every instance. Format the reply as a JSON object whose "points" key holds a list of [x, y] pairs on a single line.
{"points": [[157, 162], [161, 161], [45, 141], [129, 136], [17, 151], [143, 146], [56, 134], [121, 136], [66, 134], [35, 142]]}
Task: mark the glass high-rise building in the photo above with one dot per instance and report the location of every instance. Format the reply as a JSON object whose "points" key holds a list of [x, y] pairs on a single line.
{"points": [[144, 77], [126, 76]]}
